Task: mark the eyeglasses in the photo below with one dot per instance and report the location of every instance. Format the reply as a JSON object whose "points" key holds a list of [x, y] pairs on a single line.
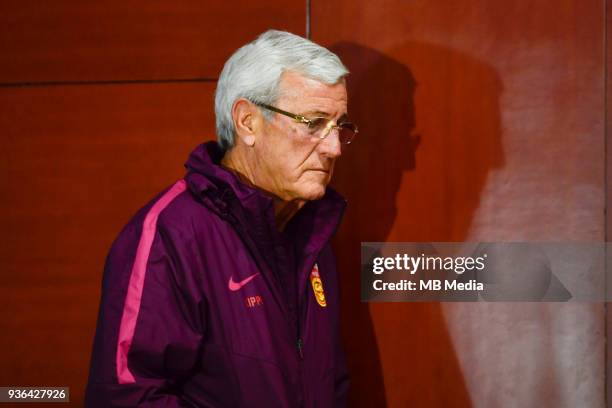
{"points": [[320, 127]]}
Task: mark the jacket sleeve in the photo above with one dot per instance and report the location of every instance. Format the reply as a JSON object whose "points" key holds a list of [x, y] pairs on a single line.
{"points": [[150, 323]]}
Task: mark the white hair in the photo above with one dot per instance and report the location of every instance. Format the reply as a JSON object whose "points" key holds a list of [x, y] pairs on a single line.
{"points": [[254, 71]]}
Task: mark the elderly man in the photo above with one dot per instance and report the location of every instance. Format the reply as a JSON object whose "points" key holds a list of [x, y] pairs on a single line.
{"points": [[222, 291]]}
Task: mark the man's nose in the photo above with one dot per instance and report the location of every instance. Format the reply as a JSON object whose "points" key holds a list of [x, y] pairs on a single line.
{"points": [[331, 146]]}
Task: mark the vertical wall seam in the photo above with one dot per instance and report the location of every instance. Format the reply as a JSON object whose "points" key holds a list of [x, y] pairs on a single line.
{"points": [[606, 212], [308, 19]]}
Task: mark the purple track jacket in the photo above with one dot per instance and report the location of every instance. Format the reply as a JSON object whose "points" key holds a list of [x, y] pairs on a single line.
{"points": [[193, 313]]}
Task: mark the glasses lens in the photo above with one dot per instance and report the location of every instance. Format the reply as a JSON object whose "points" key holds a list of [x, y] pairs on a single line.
{"points": [[321, 128], [317, 125], [347, 132]]}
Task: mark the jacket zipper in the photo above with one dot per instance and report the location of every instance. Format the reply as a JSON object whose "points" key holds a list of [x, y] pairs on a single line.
{"points": [[299, 348], [299, 345], [300, 342]]}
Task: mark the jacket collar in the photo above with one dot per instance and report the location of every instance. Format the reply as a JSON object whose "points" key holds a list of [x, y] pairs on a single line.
{"points": [[223, 192]]}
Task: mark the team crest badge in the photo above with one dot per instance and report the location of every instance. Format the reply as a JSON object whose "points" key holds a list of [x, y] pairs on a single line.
{"points": [[317, 286]]}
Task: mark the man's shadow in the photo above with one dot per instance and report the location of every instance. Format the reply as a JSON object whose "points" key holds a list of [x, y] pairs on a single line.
{"points": [[404, 185]]}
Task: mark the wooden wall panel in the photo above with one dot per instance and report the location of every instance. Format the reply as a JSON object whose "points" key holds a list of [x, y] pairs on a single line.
{"points": [[608, 113], [137, 39], [76, 163], [479, 120], [482, 121]]}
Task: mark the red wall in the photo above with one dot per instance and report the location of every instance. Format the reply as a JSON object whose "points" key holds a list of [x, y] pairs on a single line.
{"points": [[100, 105], [480, 121]]}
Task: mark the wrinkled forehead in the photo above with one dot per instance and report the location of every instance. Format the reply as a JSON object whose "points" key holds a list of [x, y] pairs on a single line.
{"points": [[297, 91]]}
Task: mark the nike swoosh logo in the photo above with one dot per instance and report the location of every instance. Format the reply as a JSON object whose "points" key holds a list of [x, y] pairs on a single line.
{"points": [[233, 286]]}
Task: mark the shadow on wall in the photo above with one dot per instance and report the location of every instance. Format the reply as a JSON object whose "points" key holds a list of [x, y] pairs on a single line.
{"points": [[403, 185]]}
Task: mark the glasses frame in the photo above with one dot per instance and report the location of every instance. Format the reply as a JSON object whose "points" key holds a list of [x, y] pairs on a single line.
{"points": [[302, 119]]}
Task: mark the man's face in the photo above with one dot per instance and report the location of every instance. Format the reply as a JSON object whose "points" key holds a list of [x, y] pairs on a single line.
{"points": [[292, 164]]}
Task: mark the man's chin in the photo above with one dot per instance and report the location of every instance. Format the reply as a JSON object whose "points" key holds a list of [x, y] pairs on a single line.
{"points": [[314, 192]]}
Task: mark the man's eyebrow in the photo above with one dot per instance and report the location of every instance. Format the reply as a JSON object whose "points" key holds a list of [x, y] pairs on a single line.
{"points": [[317, 112]]}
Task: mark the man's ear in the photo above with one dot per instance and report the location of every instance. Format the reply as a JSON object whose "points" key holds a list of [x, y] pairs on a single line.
{"points": [[245, 116]]}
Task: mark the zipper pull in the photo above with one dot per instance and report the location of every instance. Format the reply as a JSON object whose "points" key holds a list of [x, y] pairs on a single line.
{"points": [[299, 347]]}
